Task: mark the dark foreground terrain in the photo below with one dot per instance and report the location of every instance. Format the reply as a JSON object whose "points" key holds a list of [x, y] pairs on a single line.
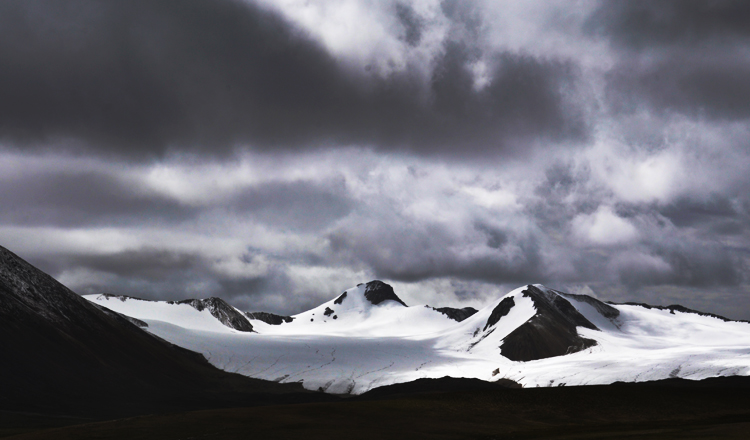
{"points": [[672, 409], [64, 360]]}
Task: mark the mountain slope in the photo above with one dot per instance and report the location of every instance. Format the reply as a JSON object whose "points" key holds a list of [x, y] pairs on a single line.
{"points": [[62, 353]]}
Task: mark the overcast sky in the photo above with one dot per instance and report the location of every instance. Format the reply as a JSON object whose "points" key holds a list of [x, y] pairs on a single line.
{"points": [[276, 152]]}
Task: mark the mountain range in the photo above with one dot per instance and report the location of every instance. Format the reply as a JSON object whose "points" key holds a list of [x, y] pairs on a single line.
{"points": [[368, 337]]}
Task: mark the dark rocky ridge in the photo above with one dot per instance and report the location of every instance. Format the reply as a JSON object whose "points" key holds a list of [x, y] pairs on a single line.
{"points": [[220, 310], [551, 332], [269, 318], [456, 314], [377, 291], [71, 357], [340, 299], [502, 309]]}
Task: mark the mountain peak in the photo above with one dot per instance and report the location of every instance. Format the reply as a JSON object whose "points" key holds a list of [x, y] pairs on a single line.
{"points": [[377, 291], [537, 323], [552, 331]]}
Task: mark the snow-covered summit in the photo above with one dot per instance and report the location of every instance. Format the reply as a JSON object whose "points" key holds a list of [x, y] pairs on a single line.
{"points": [[371, 309]]}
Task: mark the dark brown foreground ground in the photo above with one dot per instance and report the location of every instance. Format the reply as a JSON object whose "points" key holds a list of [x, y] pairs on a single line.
{"points": [[669, 410]]}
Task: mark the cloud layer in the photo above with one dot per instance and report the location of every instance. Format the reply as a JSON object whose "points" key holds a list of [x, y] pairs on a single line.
{"points": [[275, 153], [139, 79]]}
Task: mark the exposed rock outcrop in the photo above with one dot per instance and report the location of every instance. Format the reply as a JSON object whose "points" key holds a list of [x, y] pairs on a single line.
{"points": [[377, 291], [456, 314], [500, 310], [340, 299], [269, 318]]}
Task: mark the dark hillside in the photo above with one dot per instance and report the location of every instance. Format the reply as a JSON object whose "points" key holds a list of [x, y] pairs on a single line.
{"points": [[656, 411], [63, 355]]}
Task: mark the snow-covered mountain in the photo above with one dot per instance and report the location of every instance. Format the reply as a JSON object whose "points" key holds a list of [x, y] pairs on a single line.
{"points": [[368, 336]]}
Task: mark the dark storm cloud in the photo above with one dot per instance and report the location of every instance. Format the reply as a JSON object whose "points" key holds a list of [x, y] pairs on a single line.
{"points": [[642, 24], [687, 212], [524, 101], [721, 215], [712, 86], [678, 56], [137, 78], [82, 199]]}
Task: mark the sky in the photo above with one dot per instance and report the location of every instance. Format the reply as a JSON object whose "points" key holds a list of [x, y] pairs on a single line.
{"points": [[277, 152]]}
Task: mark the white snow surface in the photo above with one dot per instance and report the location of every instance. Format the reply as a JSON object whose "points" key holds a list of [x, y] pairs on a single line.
{"points": [[368, 345]]}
